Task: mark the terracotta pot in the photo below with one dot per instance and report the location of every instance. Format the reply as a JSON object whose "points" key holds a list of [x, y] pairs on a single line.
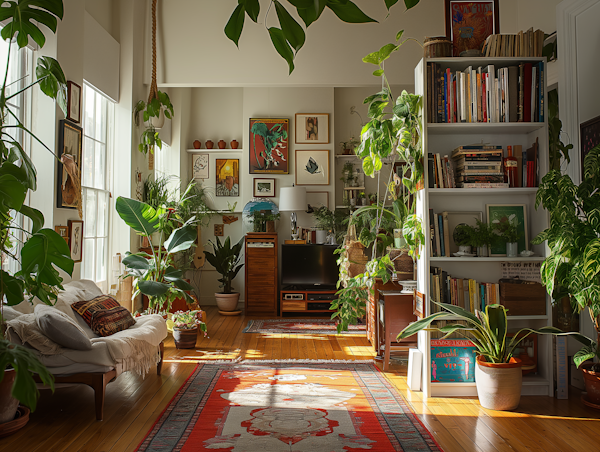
{"points": [[21, 418], [197, 144], [227, 301], [499, 385], [592, 385], [8, 404], [185, 338], [222, 144], [209, 144], [234, 144]]}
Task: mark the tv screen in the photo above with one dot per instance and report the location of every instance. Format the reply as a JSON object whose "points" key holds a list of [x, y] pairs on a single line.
{"points": [[309, 265]]}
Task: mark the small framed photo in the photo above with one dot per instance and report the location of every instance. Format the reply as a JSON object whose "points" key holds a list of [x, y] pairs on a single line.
{"points": [[264, 188], [228, 177], [419, 304], [76, 239], [316, 199], [513, 213], [74, 102], [219, 230], [200, 166], [312, 167], [69, 142], [312, 128], [469, 23], [590, 137], [63, 231]]}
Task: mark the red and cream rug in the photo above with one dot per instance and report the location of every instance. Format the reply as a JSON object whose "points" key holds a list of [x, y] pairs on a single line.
{"points": [[294, 407], [299, 326]]}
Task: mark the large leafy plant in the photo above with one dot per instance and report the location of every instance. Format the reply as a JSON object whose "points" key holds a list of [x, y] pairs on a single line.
{"points": [[42, 249], [227, 261], [572, 268]]}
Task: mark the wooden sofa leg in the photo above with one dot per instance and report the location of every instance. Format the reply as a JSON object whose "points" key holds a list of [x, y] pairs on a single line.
{"points": [[160, 363]]}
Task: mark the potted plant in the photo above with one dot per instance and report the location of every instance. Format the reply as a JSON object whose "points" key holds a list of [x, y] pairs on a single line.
{"points": [[42, 250], [498, 374], [330, 221], [572, 268], [347, 174], [226, 260], [463, 237], [510, 234], [185, 326], [264, 220], [483, 238], [349, 146], [362, 198]]}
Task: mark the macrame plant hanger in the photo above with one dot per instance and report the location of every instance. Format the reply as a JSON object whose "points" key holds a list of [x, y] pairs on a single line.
{"points": [[153, 87]]}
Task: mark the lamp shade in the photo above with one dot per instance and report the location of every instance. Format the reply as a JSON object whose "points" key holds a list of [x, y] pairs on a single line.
{"points": [[292, 199]]}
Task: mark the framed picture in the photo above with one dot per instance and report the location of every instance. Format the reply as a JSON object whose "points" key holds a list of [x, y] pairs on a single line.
{"points": [[452, 360], [264, 188], [469, 23], [456, 218], [219, 230], [317, 199], [514, 213], [63, 231], [312, 128], [69, 142], [228, 177], [73, 102], [419, 305], [269, 146], [312, 167], [200, 166], [590, 137], [76, 239]]}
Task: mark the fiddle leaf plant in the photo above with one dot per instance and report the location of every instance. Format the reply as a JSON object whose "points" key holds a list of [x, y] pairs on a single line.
{"points": [[227, 261]]}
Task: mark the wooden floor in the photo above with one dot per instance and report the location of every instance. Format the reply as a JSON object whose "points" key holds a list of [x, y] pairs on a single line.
{"points": [[65, 420]]}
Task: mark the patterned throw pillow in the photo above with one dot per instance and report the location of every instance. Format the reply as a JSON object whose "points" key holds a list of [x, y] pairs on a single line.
{"points": [[104, 315]]}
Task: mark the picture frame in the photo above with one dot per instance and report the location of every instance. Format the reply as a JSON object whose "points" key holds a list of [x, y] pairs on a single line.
{"points": [[589, 133], [317, 199], [264, 188], [272, 158], [63, 231], [456, 218], [76, 239], [311, 128], [219, 230], [469, 23], [73, 102], [419, 304], [69, 142], [312, 167], [497, 213], [200, 166], [227, 174]]}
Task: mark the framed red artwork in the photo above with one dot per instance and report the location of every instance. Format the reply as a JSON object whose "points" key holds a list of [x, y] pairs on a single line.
{"points": [[468, 23], [269, 146]]}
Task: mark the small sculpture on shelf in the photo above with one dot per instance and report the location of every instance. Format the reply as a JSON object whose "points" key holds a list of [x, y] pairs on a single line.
{"points": [[197, 144], [234, 144], [222, 144]]}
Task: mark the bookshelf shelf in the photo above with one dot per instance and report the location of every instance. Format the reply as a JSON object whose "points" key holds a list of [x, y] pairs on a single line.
{"points": [[467, 128], [481, 191], [487, 259]]}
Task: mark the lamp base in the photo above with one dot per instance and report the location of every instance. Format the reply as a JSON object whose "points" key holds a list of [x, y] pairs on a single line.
{"points": [[295, 236]]}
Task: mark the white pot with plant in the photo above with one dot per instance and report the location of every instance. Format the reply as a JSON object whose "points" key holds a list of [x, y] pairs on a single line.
{"points": [[511, 235], [227, 261]]}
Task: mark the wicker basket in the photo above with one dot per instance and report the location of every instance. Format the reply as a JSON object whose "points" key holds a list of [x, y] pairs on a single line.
{"points": [[357, 259], [437, 47], [403, 263]]}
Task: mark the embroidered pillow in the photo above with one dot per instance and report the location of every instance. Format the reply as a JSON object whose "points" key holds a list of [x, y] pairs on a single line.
{"points": [[107, 322], [86, 309]]}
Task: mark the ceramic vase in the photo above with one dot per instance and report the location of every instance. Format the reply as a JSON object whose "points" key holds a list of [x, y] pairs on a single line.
{"points": [[197, 144], [234, 144], [482, 251], [209, 144], [511, 249], [222, 144]]}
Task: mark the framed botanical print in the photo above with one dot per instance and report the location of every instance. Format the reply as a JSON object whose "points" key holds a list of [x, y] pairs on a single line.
{"points": [[200, 166], [264, 188], [312, 167], [513, 213], [590, 137], [228, 177], [312, 128], [69, 142], [469, 23], [73, 102], [76, 239], [269, 146]]}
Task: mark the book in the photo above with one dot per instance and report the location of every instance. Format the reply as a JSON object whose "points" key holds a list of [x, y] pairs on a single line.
{"points": [[493, 178], [482, 185], [513, 92], [518, 153], [446, 234], [527, 92], [440, 232], [433, 249]]}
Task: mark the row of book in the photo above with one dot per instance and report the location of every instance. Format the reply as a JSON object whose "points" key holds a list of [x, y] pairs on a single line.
{"points": [[466, 293], [486, 93], [524, 44], [439, 234]]}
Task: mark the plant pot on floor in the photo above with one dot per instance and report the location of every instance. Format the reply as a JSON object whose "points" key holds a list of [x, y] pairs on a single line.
{"points": [[592, 385], [499, 385], [8, 404], [185, 338], [227, 302]]}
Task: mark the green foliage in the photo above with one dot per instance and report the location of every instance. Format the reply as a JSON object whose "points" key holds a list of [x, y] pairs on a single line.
{"points": [[150, 137], [226, 260], [347, 173], [289, 37], [259, 219], [463, 235], [187, 320], [556, 147], [484, 235], [332, 221], [508, 231]]}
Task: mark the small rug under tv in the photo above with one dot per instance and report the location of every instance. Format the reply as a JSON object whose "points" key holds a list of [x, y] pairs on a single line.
{"points": [[300, 326], [299, 407]]}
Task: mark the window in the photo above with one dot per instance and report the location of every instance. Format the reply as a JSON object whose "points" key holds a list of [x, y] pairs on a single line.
{"points": [[98, 114]]}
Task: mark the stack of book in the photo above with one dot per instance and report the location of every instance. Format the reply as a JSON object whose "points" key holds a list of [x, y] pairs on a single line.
{"points": [[524, 44], [479, 166], [466, 293], [486, 93]]}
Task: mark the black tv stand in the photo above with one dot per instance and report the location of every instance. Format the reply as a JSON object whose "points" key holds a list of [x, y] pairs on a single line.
{"points": [[311, 298]]}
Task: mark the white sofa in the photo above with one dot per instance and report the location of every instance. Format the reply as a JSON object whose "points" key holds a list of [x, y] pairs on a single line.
{"points": [[95, 362]]}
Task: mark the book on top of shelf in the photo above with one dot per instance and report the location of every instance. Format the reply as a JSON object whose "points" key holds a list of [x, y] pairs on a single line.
{"points": [[482, 185]]}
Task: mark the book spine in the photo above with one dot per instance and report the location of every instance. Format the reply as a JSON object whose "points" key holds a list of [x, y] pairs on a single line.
{"points": [[440, 174], [527, 93], [446, 234], [430, 167], [541, 91], [441, 235], [431, 234], [483, 185], [436, 226]]}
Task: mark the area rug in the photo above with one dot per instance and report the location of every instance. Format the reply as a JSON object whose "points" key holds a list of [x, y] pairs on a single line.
{"points": [[276, 407], [300, 326]]}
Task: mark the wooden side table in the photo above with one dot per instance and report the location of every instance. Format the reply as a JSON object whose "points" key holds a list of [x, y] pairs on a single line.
{"points": [[261, 273]]}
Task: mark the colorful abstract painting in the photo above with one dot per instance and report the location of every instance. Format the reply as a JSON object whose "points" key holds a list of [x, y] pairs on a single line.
{"points": [[468, 24], [452, 360], [269, 146]]}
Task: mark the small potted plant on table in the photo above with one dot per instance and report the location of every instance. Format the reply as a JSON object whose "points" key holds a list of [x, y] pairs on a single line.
{"points": [[463, 237], [483, 238], [226, 260], [510, 234], [185, 326]]}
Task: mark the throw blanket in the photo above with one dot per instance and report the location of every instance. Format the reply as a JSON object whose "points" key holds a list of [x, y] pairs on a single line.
{"points": [[27, 330]]}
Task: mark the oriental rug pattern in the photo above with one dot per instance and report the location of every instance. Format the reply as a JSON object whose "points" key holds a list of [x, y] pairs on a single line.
{"points": [[299, 326], [288, 407]]}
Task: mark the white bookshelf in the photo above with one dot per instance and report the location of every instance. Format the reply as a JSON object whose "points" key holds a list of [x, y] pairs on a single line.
{"points": [[442, 139]]}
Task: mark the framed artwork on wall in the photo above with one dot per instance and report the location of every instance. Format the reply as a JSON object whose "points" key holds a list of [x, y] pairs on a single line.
{"points": [[312, 128], [312, 167], [69, 142], [228, 177], [513, 213], [73, 102], [264, 188], [469, 23], [269, 146], [218, 230], [316, 199], [76, 239], [589, 132], [200, 166]]}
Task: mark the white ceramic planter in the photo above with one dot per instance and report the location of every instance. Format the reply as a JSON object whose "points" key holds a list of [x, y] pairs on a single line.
{"points": [[499, 385], [227, 301], [511, 249], [321, 236], [482, 251]]}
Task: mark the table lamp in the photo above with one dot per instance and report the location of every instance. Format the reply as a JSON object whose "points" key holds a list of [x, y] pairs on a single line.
{"points": [[292, 199]]}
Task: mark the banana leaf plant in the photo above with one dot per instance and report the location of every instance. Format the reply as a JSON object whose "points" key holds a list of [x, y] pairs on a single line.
{"points": [[226, 260], [42, 250], [154, 274], [486, 330]]}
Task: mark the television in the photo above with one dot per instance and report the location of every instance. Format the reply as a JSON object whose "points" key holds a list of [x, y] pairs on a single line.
{"points": [[309, 265]]}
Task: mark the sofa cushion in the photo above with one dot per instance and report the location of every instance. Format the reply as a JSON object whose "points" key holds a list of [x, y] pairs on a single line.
{"points": [[106, 322], [86, 309], [61, 328]]}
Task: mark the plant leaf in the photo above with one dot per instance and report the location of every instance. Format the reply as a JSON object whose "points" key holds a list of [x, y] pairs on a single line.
{"points": [[181, 239], [138, 215], [136, 262], [22, 19], [252, 8], [12, 288], [282, 46], [292, 30], [309, 10], [235, 24], [53, 82], [36, 217], [348, 12], [153, 288]]}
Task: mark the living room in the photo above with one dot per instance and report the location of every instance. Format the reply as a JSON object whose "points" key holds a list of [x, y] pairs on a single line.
{"points": [[217, 90]]}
